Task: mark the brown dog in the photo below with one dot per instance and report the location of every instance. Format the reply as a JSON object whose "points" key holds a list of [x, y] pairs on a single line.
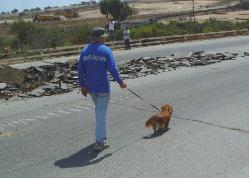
{"points": [[160, 121]]}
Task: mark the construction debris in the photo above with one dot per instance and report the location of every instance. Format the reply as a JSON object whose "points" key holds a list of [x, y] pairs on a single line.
{"points": [[148, 65], [11, 76], [58, 78], [39, 81]]}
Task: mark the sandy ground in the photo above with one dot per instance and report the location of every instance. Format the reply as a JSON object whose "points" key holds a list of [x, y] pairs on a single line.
{"points": [[231, 16], [146, 7], [156, 7], [167, 7], [90, 14], [237, 16]]}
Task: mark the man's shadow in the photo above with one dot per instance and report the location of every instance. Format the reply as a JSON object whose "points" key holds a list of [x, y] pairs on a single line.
{"points": [[84, 157], [157, 134]]}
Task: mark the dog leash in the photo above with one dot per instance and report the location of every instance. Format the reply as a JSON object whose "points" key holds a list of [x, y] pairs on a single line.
{"points": [[143, 99]]}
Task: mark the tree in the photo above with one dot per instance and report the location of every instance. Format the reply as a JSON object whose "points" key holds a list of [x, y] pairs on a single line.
{"points": [[119, 10], [14, 11], [36, 9], [46, 8], [21, 14]]}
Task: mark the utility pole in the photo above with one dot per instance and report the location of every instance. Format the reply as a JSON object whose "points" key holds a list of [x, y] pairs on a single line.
{"points": [[193, 1]]}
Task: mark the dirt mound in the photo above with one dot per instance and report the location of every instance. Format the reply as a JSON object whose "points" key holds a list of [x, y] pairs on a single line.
{"points": [[11, 75], [38, 81]]}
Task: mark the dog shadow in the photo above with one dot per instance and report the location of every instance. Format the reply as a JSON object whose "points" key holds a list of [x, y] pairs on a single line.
{"points": [[157, 134], [84, 157]]}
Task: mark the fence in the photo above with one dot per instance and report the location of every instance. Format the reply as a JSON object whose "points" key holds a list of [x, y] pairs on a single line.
{"points": [[75, 50]]}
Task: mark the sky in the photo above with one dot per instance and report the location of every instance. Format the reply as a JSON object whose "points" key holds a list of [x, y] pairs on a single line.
{"points": [[8, 5]]}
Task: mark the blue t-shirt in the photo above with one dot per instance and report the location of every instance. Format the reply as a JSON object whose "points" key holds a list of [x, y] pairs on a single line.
{"points": [[95, 61]]}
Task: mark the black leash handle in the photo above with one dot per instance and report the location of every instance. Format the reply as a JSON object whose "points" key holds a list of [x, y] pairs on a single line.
{"points": [[142, 99]]}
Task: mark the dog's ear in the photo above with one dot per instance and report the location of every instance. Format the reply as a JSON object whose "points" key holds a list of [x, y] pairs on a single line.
{"points": [[170, 108], [164, 107]]}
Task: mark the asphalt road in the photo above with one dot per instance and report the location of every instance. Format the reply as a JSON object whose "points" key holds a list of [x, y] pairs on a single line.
{"points": [[176, 49], [208, 135]]}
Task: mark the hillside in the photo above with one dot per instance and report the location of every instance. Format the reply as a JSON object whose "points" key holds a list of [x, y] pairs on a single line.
{"points": [[91, 15]]}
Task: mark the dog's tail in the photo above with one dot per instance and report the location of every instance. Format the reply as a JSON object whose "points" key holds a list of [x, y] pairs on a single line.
{"points": [[150, 122]]}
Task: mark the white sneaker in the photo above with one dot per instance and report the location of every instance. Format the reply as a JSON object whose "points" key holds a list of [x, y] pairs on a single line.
{"points": [[100, 146]]}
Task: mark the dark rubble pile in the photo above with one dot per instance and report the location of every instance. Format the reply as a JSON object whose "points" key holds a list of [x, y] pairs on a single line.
{"points": [[44, 80], [53, 79], [148, 65], [57, 78]]}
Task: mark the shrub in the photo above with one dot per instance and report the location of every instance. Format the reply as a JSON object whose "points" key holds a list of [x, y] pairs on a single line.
{"points": [[27, 35], [4, 42], [180, 28], [35, 36], [79, 35]]}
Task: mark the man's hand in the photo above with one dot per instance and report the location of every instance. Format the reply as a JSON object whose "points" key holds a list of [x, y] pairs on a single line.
{"points": [[84, 91], [123, 85]]}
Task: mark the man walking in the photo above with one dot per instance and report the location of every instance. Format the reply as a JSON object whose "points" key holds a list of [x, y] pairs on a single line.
{"points": [[95, 61], [126, 36], [111, 29]]}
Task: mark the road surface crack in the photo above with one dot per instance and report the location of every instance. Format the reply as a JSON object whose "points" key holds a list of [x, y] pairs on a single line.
{"points": [[212, 124]]}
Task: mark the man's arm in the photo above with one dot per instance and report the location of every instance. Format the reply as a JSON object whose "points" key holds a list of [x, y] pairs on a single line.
{"points": [[111, 66], [82, 75]]}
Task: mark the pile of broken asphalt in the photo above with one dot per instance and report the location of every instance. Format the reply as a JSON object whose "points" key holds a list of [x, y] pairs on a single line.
{"points": [[58, 78]]}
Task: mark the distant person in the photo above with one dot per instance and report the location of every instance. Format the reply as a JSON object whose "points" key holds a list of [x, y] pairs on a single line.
{"points": [[111, 30], [126, 36], [95, 61]]}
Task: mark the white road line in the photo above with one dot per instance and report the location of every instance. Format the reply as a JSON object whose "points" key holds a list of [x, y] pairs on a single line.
{"points": [[54, 114], [10, 124], [2, 125], [64, 112], [88, 104], [77, 106], [85, 108], [74, 110], [121, 99], [14, 122], [23, 122], [51, 113], [31, 119], [42, 117]]}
